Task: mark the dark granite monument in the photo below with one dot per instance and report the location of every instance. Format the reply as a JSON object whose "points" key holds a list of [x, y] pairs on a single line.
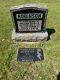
{"points": [[29, 22]]}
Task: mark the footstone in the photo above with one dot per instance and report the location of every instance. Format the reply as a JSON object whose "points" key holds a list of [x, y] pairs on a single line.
{"points": [[30, 54]]}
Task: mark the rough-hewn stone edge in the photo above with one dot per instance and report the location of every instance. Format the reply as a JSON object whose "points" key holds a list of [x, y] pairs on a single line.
{"points": [[38, 36], [41, 6]]}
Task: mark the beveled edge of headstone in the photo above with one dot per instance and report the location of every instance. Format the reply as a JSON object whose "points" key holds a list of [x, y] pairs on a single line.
{"points": [[39, 6]]}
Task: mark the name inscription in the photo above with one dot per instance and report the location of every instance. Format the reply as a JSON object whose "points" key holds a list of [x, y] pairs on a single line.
{"points": [[29, 16]]}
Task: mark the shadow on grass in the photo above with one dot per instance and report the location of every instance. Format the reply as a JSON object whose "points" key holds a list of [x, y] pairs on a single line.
{"points": [[50, 31], [58, 76]]}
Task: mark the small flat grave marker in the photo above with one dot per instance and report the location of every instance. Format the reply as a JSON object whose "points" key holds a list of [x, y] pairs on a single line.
{"points": [[30, 54]]}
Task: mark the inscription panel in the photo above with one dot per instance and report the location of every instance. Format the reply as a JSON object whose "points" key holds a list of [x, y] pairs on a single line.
{"points": [[29, 21], [29, 25]]}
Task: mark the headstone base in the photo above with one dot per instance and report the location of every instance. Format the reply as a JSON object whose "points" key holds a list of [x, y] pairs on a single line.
{"points": [[32, 36]]}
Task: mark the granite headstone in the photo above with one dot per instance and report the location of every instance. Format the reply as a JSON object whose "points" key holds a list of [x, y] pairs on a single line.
{"points": [[29, 22]]}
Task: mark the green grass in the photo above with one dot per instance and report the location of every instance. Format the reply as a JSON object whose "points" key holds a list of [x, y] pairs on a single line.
{"points": [[47, 69]]}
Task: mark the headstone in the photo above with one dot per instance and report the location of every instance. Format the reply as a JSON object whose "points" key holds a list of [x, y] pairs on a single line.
{"points": [[30, 54], [29, 22]]}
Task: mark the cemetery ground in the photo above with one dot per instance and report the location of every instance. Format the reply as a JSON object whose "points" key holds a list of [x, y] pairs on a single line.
{"points": [[49, 68]]}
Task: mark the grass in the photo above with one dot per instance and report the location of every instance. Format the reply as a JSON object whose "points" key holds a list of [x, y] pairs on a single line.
{"points": [[47, 69]]}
